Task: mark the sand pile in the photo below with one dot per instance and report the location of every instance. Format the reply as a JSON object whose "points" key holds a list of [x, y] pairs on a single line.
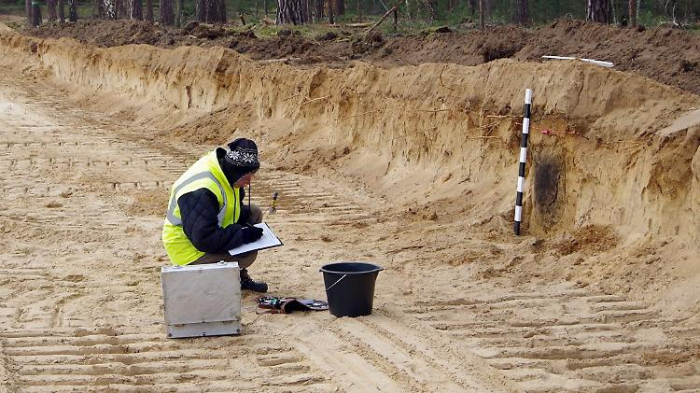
{"points": [[669, 56]]}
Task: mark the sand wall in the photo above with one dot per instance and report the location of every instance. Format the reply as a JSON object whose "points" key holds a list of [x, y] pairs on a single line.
{"points": [[607, 147]]}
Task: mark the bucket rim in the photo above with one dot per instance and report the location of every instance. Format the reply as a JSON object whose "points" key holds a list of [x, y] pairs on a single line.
{"points": [[325, 269]]}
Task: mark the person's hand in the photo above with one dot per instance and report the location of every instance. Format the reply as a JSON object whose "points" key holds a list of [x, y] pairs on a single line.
{"points": [[250, 234]]}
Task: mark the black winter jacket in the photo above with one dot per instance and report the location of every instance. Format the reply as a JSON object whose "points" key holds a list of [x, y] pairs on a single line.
{"points": [[199, 209]]}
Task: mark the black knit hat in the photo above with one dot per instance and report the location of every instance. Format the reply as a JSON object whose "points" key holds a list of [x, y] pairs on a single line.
{"points": [[243, 153]]}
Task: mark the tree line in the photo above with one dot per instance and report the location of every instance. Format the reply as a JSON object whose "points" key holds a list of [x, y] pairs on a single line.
{"points": [[299, 12]]}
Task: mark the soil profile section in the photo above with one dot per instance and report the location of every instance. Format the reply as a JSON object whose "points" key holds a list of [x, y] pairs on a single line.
{"points": [[596, 152]]}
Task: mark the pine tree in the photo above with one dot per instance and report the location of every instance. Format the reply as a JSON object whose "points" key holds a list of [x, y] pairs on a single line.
{"points": [[167, 16], [149, 11], [522, 12], [28, 10], [36, 14], [290, 12], [340, 7], [598, 11], [61, 11], [72, 11], [51, 9], [633, 12], [136, 9]]}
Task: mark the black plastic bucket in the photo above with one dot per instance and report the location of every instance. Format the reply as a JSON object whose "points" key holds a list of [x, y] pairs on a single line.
{"points": [[350, 287]]}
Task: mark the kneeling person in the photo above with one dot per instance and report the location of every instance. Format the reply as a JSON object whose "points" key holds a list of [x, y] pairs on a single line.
{"points": [[206, 216]]}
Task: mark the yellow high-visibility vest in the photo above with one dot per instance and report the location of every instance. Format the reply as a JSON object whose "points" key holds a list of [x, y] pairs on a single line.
{"points": [[205, 173]]}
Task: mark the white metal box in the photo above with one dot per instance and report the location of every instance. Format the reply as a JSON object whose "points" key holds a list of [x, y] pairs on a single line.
{"points": [[202, 300]]}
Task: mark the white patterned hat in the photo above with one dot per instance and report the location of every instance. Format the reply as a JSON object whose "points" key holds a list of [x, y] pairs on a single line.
{"points": [[243, 153]]}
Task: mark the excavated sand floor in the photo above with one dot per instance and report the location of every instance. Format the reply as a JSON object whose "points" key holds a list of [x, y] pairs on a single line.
{"points": [[412, 168]]}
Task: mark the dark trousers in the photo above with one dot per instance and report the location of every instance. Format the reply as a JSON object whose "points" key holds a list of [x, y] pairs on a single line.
{"points": [[244, 260]]}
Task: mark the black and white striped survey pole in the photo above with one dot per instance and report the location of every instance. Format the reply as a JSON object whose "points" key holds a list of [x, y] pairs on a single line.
{"points": [[523, 158]]}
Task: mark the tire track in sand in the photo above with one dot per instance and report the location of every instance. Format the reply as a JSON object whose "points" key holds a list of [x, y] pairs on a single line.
{"points": [[588, 342], [80, 310]]}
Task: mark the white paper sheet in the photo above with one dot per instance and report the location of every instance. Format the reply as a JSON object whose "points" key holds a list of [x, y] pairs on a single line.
{"points": [[268, 240]]}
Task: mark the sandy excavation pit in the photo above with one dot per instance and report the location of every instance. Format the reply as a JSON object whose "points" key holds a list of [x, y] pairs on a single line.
{"points": [[410, 167]]}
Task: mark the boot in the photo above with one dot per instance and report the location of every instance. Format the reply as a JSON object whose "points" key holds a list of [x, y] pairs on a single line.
{"points": [[249, 284]]}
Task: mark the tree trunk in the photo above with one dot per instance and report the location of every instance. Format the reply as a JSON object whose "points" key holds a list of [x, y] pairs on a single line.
{"points": [[210, 12], [359, 10], [118, 7], [28, 11], [72, 11], [670, 9], [122, 11], [51, 9], [201, 10], [167, 17], [613, 8], [431, 10], [137, 9], [473, 7], [149, 11], [221, 11], [513, 7], [98, 10], [61, 11], [389, 12], [633, 12], [522, 14], [215, 11], [179, 13], [307, 11], [127, 10], [331, 16], [291, 12], [598, 11], [339, 7], [319, 10], [36, 13], [481, 14], [304, 11]]}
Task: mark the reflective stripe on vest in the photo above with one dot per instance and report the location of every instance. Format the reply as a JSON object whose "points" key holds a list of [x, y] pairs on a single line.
{"points": [[173, 202], [206, 174]]}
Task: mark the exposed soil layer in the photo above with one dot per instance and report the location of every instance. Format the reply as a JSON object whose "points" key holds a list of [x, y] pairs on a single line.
{"points": [[667, 55]]}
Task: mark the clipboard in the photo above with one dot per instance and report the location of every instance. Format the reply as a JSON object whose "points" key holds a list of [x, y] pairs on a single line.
{"points": [[267, 240]]}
